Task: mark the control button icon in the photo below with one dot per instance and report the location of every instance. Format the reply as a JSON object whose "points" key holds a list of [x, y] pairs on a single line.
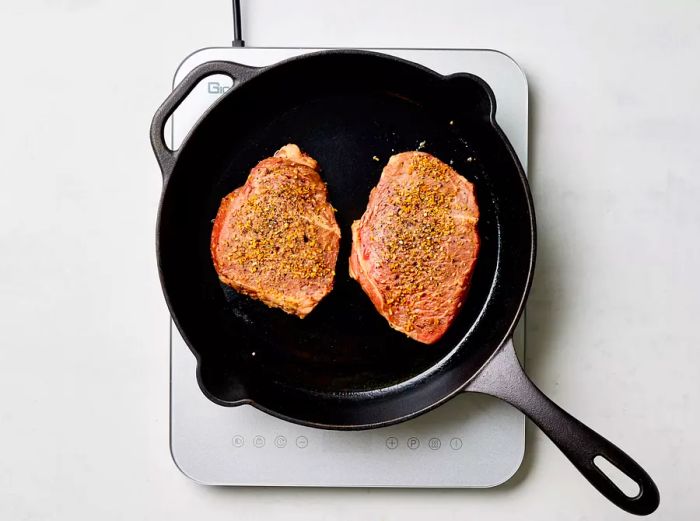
{"points": [[237, 441], [434, 443], [413, 443], [302, 442], [259, 441], [280, 442], [392, 442], [456, 443]]}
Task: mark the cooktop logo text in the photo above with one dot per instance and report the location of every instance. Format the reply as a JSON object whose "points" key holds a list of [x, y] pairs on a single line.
{"points": [[214, 87]]}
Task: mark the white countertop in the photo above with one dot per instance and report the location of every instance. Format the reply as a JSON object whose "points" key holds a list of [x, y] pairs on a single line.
{"points": [[612, 336]]}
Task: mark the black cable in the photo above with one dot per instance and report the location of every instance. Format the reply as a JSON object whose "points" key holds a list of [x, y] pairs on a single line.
{"points": [[237, 33]]}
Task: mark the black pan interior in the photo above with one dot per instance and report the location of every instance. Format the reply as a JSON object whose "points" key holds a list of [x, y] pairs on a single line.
{"points": [[343, 365]]}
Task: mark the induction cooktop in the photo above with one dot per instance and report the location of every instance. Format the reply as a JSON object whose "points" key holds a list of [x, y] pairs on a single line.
{"points": [[471, 441]]}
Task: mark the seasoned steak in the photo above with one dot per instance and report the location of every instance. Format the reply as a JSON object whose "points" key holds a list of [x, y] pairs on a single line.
{"points": [[275, 238], [414, 249]]}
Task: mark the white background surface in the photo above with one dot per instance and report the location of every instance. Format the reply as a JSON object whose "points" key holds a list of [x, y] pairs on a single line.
{"points": [[615, 149]]}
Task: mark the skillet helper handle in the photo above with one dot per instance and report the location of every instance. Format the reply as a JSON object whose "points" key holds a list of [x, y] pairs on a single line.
{"points": [[504, 378], [166, 157]]}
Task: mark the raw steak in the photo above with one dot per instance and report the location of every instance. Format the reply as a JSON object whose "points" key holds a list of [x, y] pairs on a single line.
{"points": [[276, 238], [415, 247]]}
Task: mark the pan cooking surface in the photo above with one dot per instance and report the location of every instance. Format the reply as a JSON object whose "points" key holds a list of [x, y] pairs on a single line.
{"points": [[345, 344]]}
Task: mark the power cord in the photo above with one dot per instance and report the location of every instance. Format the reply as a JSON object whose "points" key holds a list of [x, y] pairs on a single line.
{"points": [[237, 33]]}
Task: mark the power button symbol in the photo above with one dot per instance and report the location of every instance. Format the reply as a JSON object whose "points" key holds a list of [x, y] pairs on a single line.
{"points": [[392, 442]]}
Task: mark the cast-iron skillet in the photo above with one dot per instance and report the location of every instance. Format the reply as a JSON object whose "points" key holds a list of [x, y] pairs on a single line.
{"points": [[343, 367]]}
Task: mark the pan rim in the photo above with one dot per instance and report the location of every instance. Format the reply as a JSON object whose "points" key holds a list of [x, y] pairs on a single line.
{"points": [[397, 388]]}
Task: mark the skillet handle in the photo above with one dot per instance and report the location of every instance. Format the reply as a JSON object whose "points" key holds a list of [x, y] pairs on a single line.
{"points": [[504, 378], [166, 157]]}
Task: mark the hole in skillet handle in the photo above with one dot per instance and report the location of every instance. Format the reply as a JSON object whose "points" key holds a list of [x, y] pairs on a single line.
{"points": [[504, 378], [205, 94], [621, 480], [165, 155]]}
